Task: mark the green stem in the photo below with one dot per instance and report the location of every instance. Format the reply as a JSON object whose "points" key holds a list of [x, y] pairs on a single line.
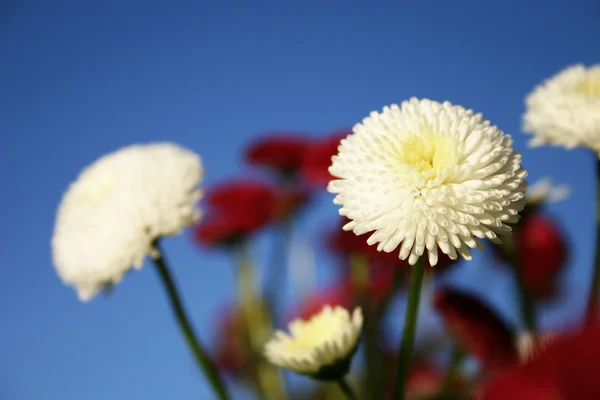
{"points": [[527, 309], [593, 299], [258, 324], [359, 271], [202, 358], [410, 327], [346, 389]]}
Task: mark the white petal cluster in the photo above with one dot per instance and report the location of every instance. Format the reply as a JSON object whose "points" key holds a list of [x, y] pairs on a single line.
{"points": [[565, 109], [109, 217], [543, 191], [328, 338], [426, 176]]}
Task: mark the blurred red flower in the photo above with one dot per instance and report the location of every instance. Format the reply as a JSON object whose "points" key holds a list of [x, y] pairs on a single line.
{"points": [[317, 159], [543, 252], [566, 368], [239, 208], [477, 327], [231, 349], [339, 295], [282, 152]]}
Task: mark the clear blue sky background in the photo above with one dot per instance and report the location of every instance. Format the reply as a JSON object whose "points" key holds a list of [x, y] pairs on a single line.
{"points": [[80, 78]]}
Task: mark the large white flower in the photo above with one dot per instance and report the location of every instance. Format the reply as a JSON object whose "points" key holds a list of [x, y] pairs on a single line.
{"points": [[321, 347], [109, 217], [427, 175], [565, 109]]}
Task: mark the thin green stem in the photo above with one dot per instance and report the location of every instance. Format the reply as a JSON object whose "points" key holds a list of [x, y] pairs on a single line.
{"points": [[526, 302], [258, 324], [594, 296], [346, 389], [202, 358], [410, 327], [359, 271]]}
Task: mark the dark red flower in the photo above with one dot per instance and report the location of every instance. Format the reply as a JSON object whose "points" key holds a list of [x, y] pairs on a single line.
{"points": [[543, 253], [480, 330], [283, 152], [239, 208], [423, 381], [317, 159], [232, 353], [565, 369]]}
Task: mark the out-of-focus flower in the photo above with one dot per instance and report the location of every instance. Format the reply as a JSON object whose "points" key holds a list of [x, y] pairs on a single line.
{"points": [[242, 207], [542, 191], [110, 216], [317, 159], [566, 368], [478, 328], [232, 348], [283, 152], [321, 347], [543, 254], [427, 175], [340, 295], [423, 381], [528, 345], [565, 109]]}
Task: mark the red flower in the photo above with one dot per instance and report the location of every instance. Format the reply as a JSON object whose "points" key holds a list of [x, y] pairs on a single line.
{"points": [[565, 369], [543, 253], [236, 210], [479, 329], [240, 208], [317, 159], [423, 381], [232, 353], [281, 151], [341, 295]]}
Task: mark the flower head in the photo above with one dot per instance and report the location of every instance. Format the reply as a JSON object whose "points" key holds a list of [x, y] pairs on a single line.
{"points": [[321, 347], [565, 109], [317, 159], [542, 191], [110, 216], [425, 175], [283, 152]]}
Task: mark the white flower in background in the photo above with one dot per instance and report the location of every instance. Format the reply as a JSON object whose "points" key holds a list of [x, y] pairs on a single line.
{"points": [[109, 217], [542, 191], [528, 345], [565, 109], [321, 347], [425, 175]]}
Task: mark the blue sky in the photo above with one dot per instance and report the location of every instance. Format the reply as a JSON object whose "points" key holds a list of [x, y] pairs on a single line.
{"points": [[79, 79]]}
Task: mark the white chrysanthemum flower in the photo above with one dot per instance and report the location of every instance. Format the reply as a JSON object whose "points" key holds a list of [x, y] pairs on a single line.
{"points": [[427, 175], [542, 191], [565, 109], [110, 216], [321, 347]]}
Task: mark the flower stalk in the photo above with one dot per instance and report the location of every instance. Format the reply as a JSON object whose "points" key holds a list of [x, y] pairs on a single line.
{"points": [[201, 355], [410, 327], [594, 296], [346, 389]]}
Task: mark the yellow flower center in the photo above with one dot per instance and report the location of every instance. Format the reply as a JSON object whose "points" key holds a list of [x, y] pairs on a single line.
{"points": [[316, 331], [429, 154], [590, 87]]}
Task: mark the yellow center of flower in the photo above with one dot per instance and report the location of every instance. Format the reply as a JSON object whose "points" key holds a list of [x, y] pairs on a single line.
{"points": [[429, 154], [590, 87], [313, 333]]}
